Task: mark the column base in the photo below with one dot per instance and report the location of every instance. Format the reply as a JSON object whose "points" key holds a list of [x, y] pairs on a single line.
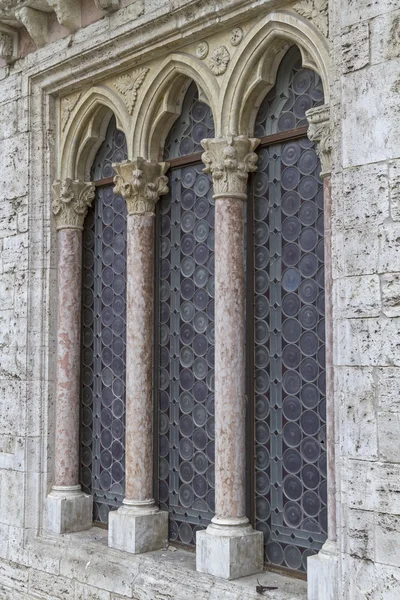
{"points": [[229, 551], [69, 510], [138, 528], [322, 573]]}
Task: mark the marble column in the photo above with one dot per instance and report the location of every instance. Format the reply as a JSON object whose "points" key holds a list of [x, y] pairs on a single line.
{"points": [[138, 525], [323, 567], [230, 548], [68, 508]]}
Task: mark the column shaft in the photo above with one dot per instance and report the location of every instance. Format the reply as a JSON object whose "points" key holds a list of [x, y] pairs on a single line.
{"points": [[69, 282], [139, 352], [230, 416]]}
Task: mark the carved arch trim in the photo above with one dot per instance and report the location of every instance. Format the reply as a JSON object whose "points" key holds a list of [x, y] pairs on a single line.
{"points": [[161, 101], [252, 71], [86, 130]]}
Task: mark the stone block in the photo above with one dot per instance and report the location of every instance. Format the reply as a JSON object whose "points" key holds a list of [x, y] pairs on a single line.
{"points": [[87, 592], [14, 152], [394, 189], [389, 436], [387, 539], [137, 531], [356, 297], [355, 47], [47, 585], [389, 248], [357, 412], [390, 285], [384, 37], [365, 195], [14, 576], [370, 133], [12, 488], [355, 252], [323, 575], [229, 556], [388, 388], [358, 537], [368, 342], [366, 580], [8, 120], [352, 11], [68, 511]]}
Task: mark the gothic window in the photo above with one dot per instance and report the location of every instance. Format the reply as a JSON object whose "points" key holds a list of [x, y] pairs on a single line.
{"points": [[104, 335], [186, 328], [288, 323]]}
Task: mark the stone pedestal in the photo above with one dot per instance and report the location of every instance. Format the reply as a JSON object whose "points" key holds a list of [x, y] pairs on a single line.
{"points": [[322, 574], [138, 525], [229, 552], [137, 529], [68, 508]]}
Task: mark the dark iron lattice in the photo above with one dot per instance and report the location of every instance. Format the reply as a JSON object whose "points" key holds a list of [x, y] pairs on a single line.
{"points": [[290, 469], [104, 336], [186, 333]]}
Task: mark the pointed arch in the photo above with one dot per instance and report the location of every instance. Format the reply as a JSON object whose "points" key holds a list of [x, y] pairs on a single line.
{"points": [[87, 129], [162, 101], [252, 71]]}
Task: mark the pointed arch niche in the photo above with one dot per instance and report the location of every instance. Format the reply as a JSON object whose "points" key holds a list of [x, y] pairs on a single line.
{"points": [[185, 344], [288, 366], [102, 428]]}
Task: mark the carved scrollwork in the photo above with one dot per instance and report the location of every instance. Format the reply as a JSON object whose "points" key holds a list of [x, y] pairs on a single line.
{"points": [[229, 161], [141, 183], [316, 11], [71, 202], [128, 86], [319, 131]]}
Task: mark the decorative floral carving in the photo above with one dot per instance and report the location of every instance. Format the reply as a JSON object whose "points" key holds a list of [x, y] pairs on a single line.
{"points": [[128, 86], [236, 36], [141, 183], [319, 131], [202, 50], [67, 106], [108, 5], [6, 46], [316, 11], [219, 60], [229, 161], [71, 202]]}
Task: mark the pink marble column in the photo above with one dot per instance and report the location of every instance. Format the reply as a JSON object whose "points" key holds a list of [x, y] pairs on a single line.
{"points": [[230, 548], [68, 509], [138, 525]]}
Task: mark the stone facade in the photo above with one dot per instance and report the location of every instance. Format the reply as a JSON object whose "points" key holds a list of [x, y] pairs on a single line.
{"points": [[134, 61]]}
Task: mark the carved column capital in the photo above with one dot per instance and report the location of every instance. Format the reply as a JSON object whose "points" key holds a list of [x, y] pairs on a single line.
{"points": [[71, 202], [229, 161], [141, 183], [319, 131]]}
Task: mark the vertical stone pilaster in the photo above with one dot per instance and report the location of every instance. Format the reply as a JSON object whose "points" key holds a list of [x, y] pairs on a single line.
{"points": [[138, 525], [230, 548], [68, 508], [323, 567]]}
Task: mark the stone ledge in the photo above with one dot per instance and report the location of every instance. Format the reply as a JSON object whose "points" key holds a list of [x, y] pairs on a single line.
{"points": [[85, 557]]}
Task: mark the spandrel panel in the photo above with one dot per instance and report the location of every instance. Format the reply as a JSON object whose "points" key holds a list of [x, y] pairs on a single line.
{"points": [[104, 337]]}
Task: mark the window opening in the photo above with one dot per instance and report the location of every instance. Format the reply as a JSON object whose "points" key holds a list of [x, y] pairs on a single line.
{"points": [[104, 335]]}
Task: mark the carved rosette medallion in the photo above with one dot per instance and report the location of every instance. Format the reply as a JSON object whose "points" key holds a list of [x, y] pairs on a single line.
{"points": [[229, 161], [71, 202], [141, 183], [316, 11], [128, 86], [219, 60], [319, 131], [236, 36], [202, 50]]}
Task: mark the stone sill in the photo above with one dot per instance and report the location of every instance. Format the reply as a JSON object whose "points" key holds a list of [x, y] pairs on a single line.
{"points": [[164, 575]]}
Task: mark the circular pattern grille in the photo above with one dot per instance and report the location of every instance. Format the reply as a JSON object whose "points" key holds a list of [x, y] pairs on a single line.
{"points": [[104, 338], [186, 315], [289, 353]]}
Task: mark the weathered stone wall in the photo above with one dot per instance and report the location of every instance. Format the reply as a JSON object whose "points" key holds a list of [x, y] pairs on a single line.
{"points": [[365, 77], [366, 265]]}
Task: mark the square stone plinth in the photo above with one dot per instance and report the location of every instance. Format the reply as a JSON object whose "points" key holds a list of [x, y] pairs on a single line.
{"points": [[69, 512], [322, 573], [137, 532], [230, 557]]}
